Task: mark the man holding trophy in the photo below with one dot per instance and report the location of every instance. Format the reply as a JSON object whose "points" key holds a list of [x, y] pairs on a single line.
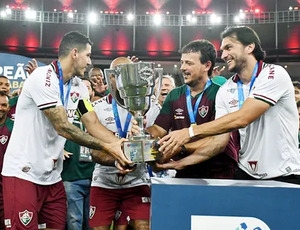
{"points": [[194, 103], [115, 190]]}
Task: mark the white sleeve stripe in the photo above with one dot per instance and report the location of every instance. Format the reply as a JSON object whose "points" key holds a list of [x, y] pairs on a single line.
{"points": [[264, 98], [47, 105]]}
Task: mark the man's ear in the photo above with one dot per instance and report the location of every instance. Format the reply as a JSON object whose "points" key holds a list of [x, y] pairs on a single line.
{"points": [[208, 65], [250, 48], [74, 53]]}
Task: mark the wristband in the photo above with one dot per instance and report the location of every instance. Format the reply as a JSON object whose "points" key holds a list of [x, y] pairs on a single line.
{"points": [[191, 131]]}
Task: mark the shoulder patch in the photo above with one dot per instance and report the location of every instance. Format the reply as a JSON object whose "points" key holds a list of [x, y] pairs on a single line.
{"points": [[219, 80]]}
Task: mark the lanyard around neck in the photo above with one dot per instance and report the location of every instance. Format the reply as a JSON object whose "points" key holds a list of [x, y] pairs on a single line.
{"points": [[193, 113], [240, 86], [122, 133], [61, 86]]}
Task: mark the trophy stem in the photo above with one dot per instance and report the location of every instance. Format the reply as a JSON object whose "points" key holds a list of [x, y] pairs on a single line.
{"points": [[140, 121]]}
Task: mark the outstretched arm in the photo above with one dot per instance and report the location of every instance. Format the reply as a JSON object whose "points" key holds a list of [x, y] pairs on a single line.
{"points": [[203, 150], [251, 110], [58, 117]]}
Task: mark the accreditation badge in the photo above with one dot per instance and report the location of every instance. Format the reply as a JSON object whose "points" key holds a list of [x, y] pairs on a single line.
{"points": [[85, 154]]}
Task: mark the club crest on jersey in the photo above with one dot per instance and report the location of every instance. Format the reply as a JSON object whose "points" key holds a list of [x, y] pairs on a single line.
{"points": [[253, 166], [3, 139], [92, 211], [203, 110], [74, 96], [231, 90], [25, 217]]}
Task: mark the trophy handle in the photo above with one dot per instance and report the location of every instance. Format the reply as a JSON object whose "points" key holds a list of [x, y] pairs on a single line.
{"points": [[113, 90], [160, 74]]}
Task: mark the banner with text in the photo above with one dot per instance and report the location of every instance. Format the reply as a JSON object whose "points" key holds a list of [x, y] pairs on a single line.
{"points": [[13, 67]]}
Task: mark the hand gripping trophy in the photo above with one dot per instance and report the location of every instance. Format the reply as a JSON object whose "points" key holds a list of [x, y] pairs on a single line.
{"points": [[132, 87]]}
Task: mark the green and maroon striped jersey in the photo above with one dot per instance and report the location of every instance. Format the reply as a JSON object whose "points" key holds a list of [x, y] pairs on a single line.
{"points": [[174, 113], [174, 116]]}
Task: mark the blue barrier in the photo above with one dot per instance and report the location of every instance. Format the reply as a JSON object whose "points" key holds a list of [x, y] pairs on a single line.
{"points": [[198, 204]]}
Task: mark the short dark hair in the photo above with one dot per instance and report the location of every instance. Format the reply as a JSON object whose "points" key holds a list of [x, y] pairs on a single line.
{"points": [[296, 84], [72, 40], [2, 76], [246, 36], [2, 93], [206, 50]]}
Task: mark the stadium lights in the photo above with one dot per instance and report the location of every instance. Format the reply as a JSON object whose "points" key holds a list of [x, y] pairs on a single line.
{"points": [[70, 15], [30, 14], [191, 19], [3, 14], [157, 19], [92, 18], [130, 17], [215, 19]]}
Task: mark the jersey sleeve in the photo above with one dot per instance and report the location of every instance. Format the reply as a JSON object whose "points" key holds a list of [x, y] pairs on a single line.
{"points": [[164, 118], [271, 84], [220, 105], [44, 88]]}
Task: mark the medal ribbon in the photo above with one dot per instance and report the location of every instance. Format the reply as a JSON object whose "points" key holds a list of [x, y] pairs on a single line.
{"points": [[193, 113]]}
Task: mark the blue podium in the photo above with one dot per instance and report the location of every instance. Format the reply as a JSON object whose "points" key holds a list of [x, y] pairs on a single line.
{"points": [[208, 204]]}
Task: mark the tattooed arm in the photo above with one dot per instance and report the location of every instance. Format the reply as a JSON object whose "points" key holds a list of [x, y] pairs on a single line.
{"points": [[58, 117]]}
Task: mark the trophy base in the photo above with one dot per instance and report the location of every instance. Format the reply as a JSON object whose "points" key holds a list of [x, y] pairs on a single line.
{"points": [[140, 149]]}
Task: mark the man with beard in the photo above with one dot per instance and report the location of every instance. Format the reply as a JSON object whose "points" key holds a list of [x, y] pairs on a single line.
{"points": [[258, 101], [32, 187], [191, 104]]}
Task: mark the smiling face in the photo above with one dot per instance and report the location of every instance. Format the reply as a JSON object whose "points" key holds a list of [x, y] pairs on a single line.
{"points": [[4, 108], [4, 85], [234, 54], [192, 69], [82, 60], [166, 87]]}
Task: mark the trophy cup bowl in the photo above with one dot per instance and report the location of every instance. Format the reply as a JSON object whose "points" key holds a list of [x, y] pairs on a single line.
{"points": [[132, 86]]}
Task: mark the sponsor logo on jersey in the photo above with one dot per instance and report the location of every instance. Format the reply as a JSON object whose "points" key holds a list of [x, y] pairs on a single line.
{"points": [[74, 96], [92, 211], [233, 103], [71, 113], [203, 110], [252, 165], [110, 120], [108, 109], [3, 139], [179, 111], [25, 217], [178, 117]]}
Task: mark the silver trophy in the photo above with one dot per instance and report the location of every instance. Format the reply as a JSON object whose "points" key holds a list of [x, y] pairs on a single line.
{"points": [[132, 86]]}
